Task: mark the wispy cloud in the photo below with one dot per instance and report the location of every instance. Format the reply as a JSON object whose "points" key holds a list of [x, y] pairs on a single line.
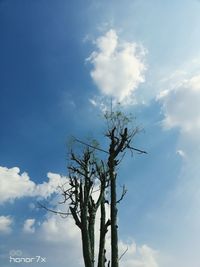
{"points": [[180, 107], [181, 153]]}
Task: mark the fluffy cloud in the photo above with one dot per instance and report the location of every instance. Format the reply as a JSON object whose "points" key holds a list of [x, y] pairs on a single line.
{"points": [[5, 224], [57, 229], [48, 188], [15, 185], [181, 106], [148, 256], [118, 66], [29, 226]]}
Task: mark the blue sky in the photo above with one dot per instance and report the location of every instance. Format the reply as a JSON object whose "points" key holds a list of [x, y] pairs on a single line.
{"points": [[60, 63]]}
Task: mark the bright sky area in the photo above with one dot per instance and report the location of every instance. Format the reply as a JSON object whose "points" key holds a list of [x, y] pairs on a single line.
{"points": [[60, 64]]}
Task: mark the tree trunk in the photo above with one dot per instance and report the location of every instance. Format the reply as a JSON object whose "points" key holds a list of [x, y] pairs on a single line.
{"points": [[103, 230], [114, 226], [91, 234], [86, 244], [86, 248]]}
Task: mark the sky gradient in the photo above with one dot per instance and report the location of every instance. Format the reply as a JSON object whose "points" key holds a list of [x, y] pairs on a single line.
{"points": [[60, 64]]}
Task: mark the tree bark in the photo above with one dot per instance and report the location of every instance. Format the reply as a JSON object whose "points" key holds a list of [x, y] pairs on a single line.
{"points": [[114, 226], [103, 230]]}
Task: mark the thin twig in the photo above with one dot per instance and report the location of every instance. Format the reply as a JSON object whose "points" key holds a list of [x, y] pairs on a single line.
{"points": [[123, 254], [138, 150], [86, 144], [102, 150], [54, 211]]}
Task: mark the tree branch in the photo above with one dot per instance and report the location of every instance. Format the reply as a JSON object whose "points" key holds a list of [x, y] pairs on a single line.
{"points": [[86, 144], [54, 211], [124, 191]]}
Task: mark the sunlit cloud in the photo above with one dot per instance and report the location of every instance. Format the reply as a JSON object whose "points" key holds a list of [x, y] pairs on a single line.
{"points": [[14, 184], [118, 66]]}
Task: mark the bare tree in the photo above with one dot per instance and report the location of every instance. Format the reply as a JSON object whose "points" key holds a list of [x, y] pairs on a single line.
{"points": [[120, 136], [87, 174]]}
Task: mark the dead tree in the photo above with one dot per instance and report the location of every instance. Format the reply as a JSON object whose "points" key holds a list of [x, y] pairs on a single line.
{"points": [[88, 174], [120, 136], [84, 193]]}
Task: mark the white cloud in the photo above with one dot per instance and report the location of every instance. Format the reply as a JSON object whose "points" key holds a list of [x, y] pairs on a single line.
{"points": [[181, 110], [137, 256], [5, 224], [93, 102], [118, 66], [29, 226], [15, 185], [102, 103], [48, 188], [181, 106], [58, 229], [148, 256]]}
